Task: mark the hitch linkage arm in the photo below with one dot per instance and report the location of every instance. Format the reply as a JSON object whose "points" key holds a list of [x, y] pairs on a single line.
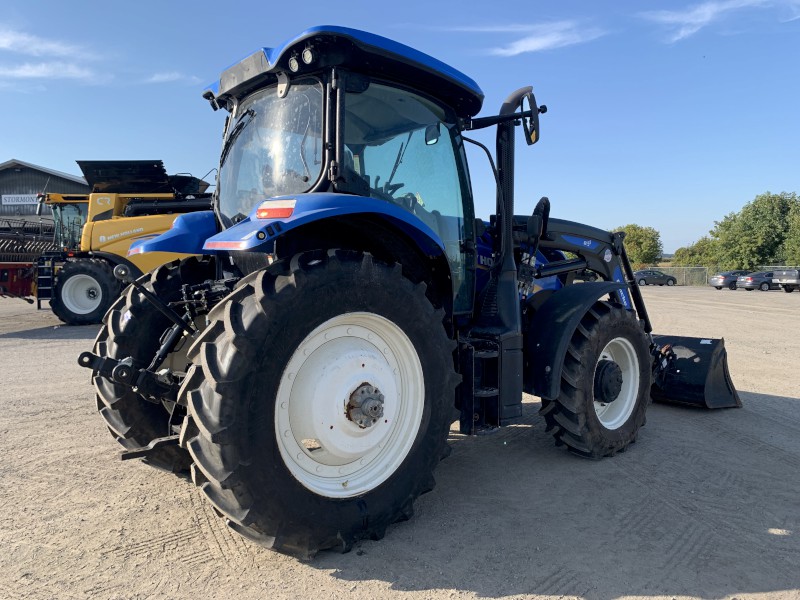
{"points": [[147, 381], [144, 381]]}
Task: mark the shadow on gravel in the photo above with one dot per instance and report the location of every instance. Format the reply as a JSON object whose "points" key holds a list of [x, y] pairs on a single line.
{"points": [[57, 332], [705, 504]]}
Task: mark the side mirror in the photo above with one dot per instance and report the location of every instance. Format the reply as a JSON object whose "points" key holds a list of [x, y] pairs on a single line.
{"points": [[40, 204], [530, 123], [431, 134]]}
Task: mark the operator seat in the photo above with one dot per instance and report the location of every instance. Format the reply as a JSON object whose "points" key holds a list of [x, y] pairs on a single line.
{"points": [[353, 182]]}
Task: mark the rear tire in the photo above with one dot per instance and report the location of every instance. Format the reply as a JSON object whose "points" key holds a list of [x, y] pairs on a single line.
{"points": [[607, 335], [133, 327], [83, 291], [719, 287], [279, 447]]}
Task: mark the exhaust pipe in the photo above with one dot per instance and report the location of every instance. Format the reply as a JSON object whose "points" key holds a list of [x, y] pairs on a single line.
{"points": [[693, 371]]}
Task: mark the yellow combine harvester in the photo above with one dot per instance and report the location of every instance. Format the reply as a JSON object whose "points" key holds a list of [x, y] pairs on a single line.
{"points": [[130, 200]]}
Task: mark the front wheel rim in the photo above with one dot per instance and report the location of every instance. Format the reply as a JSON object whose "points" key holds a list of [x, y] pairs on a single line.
{"points": [[81, 294], [319, 438], [614, 414]]}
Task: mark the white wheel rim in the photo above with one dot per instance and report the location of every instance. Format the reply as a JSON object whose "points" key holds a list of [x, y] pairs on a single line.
{"points": [[323, 448], [614, 414], [81, 294]]}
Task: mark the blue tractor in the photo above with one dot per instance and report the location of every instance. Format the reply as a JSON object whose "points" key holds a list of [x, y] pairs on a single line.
{"points": [[347, 307]]}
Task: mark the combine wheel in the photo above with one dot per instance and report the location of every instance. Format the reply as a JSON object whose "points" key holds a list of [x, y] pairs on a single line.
{"points": [[133, 327], [83, 291], [605, 384], [320, 401]]}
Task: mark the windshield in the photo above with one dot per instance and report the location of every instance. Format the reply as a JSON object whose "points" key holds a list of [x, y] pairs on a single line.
{"points": [[69, 220], [273, 148]]}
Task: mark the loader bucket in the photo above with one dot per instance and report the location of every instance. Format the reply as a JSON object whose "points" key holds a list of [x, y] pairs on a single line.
{"points": [[695, 373]]}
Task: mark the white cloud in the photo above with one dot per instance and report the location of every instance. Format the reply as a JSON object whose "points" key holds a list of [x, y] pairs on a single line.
{"points": [[548, 37], [545, 36], [172, 77], [53, 70], [46, 58], [792, 8], [687, 22], [31, 45]]}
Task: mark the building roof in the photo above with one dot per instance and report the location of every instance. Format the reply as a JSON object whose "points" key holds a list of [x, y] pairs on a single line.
{"points": [[13, 163]]}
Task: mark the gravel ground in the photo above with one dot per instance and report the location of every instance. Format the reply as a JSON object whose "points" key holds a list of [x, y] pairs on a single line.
{"points": [[704, 505]]}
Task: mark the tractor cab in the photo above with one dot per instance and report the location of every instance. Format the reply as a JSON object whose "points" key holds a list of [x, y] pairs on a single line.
{"points": [[342, 112]]}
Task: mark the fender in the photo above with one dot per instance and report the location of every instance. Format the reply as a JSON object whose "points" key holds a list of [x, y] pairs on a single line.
{"points": [[187, 235], [275, 216], [548, 334]]}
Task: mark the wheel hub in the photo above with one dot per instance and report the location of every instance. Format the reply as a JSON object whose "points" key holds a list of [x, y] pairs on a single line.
{"points": [[349, 405], [607, 381], [365, 406]]}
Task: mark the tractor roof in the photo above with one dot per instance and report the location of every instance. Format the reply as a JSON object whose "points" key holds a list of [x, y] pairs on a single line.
{"points": [[357, 51]]}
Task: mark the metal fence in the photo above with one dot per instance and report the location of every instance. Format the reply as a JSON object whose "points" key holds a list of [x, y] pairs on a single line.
{"points": [[687, 275]]}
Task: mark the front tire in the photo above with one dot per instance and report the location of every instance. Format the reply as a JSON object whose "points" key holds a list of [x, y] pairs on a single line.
{"points": [[320, 402], [83, 291], [133, 327], [642, 282], [605, 384], [788, 289], [671, 282], [732, 285]]}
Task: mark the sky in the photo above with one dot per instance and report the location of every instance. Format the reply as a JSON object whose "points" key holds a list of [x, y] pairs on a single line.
{"points": [[664, 113]]}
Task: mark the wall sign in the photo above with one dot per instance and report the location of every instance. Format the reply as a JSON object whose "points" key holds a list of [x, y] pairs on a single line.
{"points": [[12, 199]]}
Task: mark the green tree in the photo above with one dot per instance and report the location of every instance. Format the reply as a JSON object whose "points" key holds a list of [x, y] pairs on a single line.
{"points": [[703, 253], [791, 243], [755, 235], [642, 243]]}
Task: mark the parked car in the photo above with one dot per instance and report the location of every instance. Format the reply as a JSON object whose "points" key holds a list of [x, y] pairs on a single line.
{"points": [[787, 279], [727, 279], [757, 281], [653, 277]]}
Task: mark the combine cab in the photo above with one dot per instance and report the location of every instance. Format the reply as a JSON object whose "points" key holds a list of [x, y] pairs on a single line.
{"points": [[307, 367]]}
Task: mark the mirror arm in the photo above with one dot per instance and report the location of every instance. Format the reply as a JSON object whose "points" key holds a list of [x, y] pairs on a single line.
{"points": [[483, 122]]}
